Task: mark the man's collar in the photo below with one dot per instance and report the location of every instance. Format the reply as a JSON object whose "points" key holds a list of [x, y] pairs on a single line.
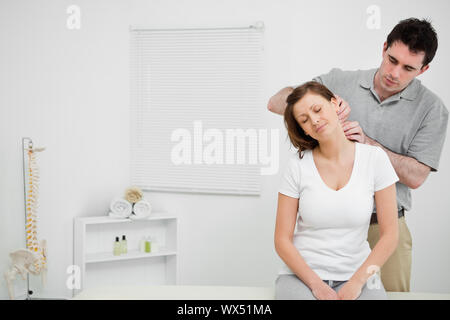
{"points": [[366, 80], [412, 90], [409, 93]]}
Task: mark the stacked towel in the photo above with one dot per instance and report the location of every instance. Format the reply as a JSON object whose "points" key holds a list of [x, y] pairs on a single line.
{"points": [[120, 209], [141, 210]]}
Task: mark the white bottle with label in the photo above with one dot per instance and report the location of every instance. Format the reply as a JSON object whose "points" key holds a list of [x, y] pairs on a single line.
{"points": [[124, 245], [148, 245], [155, 245], [142, 245], [117, 249]]}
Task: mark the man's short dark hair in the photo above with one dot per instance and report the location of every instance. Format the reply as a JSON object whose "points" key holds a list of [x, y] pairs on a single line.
{"points": [[418, 35]]}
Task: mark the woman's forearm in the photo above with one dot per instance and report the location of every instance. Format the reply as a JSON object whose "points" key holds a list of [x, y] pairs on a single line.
{"points": [[290, 255], [377, 258]]}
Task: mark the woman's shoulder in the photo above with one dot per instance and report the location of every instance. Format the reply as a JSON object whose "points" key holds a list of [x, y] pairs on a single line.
{"points": [[299, 161], [299, 158], [371, 154], [369, 149]]}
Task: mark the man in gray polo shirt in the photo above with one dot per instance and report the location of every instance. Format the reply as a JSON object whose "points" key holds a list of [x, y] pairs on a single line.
{"points": [[390, 108]]}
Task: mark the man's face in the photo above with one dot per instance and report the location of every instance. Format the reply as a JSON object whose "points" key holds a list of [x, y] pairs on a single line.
{"points": [[399, 67]]}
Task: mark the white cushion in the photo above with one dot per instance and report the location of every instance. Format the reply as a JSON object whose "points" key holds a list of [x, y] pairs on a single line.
{"points": [[181, 292], [177, 292], [418, 296]]}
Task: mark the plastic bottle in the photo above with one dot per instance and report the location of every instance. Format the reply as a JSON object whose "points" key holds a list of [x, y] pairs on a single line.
{"points": [[117, 247], [142, 245], [155, 245], [124, 245], [148, 245]]}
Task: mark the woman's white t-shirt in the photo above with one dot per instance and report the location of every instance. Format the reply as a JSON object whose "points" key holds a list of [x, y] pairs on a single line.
{"points": [[332, 226]]}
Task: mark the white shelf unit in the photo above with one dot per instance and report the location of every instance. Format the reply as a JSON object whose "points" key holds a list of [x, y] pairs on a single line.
{"points": [[93, 251]]}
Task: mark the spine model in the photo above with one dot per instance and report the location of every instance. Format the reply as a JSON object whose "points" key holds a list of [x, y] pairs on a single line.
{"points": [[31, 210]]}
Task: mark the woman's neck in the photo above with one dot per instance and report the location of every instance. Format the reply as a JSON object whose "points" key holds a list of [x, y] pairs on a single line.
{"points": [[336, 147]]}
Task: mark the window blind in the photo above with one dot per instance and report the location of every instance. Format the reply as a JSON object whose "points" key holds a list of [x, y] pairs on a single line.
{"points": [[191, 88]]}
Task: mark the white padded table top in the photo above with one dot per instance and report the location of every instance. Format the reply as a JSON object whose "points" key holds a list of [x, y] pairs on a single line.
{"points": [[182, 292], [177, 292], [418, 296]]}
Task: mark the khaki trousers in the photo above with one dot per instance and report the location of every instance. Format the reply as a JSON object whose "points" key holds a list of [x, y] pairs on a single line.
{"points": [[396, 272]]}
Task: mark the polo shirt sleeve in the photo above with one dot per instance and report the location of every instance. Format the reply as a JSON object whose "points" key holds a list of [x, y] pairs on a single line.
{"points": [[426, 146], [290, 180], [330, 79], [384, 171]]}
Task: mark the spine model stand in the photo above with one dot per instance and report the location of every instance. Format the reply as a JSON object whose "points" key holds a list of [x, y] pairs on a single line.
{"points": [[33, 259]]}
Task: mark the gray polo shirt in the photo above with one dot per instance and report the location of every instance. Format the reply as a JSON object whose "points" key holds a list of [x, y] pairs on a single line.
{"points": [[412, 122]]}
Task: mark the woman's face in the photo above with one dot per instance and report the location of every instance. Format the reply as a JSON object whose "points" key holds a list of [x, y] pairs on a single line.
{"points": [[316, 116]]}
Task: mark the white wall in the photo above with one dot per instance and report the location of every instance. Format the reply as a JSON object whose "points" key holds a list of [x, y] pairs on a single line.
{"points": [[69, 91]]}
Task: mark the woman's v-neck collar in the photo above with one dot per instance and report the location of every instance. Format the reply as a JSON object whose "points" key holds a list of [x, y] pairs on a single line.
{"points": [[354, 168]]}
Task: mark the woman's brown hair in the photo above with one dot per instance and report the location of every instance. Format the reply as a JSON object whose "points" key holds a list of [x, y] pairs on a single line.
{"points": [[298, 138]]}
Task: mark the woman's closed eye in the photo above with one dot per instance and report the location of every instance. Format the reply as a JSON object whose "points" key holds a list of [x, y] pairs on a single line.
{"points": [[316, 110]]}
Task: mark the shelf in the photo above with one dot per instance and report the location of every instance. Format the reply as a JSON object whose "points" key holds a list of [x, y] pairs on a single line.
{"points": [[107, 219], [108, 256], [93, 250]]}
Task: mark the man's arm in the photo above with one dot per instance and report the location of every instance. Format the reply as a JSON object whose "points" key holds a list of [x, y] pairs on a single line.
{"points": [[277, 104], [410, 171]]}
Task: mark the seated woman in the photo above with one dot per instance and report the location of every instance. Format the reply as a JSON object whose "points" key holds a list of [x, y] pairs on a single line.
{"points": [[331, 183]]}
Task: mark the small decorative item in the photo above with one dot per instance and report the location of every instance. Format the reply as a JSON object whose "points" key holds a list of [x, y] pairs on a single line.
{"points": [[133, 194]]}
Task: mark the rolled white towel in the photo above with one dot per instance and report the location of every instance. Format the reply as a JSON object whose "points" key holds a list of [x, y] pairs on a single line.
{"points": [[141, 210], [113, 215], [120, 209]]}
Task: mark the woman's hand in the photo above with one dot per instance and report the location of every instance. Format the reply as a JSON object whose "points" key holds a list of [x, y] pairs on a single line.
{"points": [[351, 290], [322, 291]]}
